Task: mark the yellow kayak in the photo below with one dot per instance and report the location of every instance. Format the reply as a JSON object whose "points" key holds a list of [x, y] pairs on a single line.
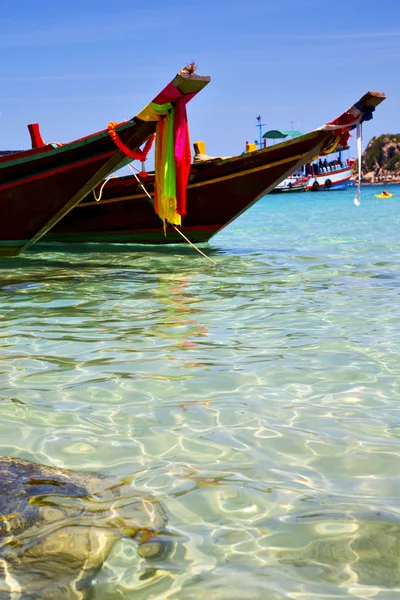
{"points": [[383, 195]]}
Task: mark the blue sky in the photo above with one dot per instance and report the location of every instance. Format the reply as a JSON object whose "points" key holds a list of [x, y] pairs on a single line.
{"points": [[74, 66]]}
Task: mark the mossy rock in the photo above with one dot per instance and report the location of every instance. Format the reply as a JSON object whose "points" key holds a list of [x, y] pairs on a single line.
{"points": [[57, 527]]}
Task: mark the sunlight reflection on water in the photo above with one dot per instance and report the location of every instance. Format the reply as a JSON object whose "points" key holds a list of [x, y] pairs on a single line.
{"points": [[256, 400]]}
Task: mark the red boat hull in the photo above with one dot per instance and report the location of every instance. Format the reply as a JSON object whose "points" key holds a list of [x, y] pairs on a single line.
{"points": [[217, 193], [40, 186]]}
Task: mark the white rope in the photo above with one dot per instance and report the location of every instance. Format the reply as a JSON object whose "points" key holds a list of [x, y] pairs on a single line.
{"points": [[133, 169], [176, 229], [328, 127], [195, 247], [357, 198], [101, 189]]}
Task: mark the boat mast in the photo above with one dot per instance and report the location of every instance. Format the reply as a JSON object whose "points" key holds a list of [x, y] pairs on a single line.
{"points": [[260, 126]]}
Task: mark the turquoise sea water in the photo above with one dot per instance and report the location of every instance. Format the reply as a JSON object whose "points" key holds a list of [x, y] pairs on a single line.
{"points": [[258, 400]]}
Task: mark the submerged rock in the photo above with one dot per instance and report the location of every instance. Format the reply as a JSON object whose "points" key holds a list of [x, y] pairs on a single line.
{"points": [[58, 526], [369, 556]]}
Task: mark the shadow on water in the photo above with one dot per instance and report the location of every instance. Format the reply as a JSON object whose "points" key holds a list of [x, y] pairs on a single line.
{"points": [[35, 256], [73, 263]]}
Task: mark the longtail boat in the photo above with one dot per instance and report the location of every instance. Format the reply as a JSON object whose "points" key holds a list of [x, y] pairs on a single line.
{"points": [[218, 191], [38, 187]]}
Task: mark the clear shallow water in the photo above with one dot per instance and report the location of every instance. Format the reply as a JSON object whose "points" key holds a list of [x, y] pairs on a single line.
{"points": [[257, 400]]}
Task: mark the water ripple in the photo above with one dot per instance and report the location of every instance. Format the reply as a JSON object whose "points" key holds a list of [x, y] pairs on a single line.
{"points": [[258, 400]]}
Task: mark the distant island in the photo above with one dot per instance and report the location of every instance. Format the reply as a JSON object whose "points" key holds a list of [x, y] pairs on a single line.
{"points": [[381, 160]]}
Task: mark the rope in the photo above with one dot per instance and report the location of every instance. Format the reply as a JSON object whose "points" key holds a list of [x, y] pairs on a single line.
{"points": [[195, 247], [176, 229], [133, 168], [335, 126], [101, 189]]}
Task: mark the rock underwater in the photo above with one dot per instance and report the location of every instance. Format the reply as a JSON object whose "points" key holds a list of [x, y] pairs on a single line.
{"points": [[57, 527]]}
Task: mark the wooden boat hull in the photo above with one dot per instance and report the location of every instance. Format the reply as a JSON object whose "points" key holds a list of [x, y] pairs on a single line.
{"points": [[39, 187], [217, 193]]}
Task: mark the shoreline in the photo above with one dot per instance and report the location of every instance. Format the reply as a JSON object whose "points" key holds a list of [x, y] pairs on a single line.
{"points": [[380, 183]]}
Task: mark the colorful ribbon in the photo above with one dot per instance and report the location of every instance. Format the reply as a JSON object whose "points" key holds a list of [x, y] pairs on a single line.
{"points": [[172, 153]]}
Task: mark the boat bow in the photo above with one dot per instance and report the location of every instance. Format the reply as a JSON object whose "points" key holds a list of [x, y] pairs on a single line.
{"points": [[38, 187]]}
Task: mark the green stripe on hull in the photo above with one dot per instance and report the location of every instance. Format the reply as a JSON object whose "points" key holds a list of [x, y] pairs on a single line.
{"points": [[11, 247], [156, 237], [63, 148]]}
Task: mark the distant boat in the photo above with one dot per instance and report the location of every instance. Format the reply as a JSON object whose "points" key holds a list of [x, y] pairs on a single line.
{"points": [[218, 190], [38, 187], [289, 189], [321, 175]]}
